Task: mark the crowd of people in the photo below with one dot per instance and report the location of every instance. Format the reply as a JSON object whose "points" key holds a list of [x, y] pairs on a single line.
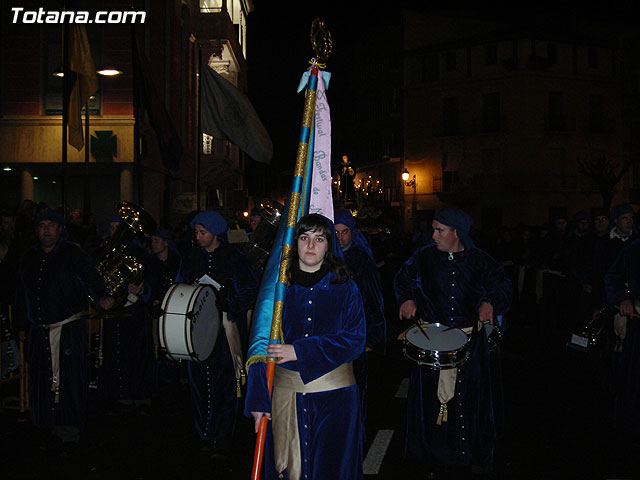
{"points": [[561, 277]]}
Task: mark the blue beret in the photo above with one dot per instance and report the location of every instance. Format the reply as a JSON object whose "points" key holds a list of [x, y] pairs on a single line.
{"points": [[621, 209], [50, 216], [255, 212], [164, 234], [211, 221], [581, 215], [344, 217], [460, 221]]}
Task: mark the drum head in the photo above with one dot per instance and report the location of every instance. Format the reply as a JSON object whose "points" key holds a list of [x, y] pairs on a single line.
{"points": [[441, 338], [205, 322], [189, 327]]}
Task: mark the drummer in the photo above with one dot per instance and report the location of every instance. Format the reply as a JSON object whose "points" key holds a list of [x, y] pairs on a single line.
{"points": [[215, 383], [450, 424]]}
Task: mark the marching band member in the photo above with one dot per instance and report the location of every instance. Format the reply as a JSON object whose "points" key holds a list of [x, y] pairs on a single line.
{"points": [[127, 379], [360, 262], [55, 281], [450, 419], [215, 383]]}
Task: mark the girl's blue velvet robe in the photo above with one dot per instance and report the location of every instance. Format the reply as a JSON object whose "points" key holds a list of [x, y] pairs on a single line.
{"points": [[51, 288], [212, 383], [326, 325], [450, 292]]}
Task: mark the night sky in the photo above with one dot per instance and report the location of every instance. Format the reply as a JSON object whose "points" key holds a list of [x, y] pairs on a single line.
{"points": [[279, 51]]}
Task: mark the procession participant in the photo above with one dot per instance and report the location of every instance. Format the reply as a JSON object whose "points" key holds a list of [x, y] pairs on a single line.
{"points": [[360, 262], [315, 404], [215, 383], [127, 377], [623, 292], [164, 268], [55, 283], [450, 419], [601, 222], [609, 246], [254, 219]]}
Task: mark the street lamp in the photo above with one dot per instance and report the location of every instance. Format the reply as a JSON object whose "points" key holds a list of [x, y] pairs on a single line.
{"points": [[407, 182]]}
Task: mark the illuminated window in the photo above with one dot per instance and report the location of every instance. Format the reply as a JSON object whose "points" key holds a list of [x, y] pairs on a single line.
{"points": [[211, 6]]}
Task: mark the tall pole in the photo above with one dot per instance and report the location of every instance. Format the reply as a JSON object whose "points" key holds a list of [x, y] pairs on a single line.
{"points": [[65, 113], [292, 218], [86, 207], [299, 177], [198, 132]]}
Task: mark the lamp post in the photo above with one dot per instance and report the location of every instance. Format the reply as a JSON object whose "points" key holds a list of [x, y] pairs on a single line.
{"points": [[410, 183]]}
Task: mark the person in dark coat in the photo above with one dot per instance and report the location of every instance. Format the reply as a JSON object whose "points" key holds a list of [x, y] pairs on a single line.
{"points": [[164, 269], [315, 406], [55, 283], [360, 262], [127, 378], [214, 383], [450, 420], [580, 251], [623, 294], [608, 248]]}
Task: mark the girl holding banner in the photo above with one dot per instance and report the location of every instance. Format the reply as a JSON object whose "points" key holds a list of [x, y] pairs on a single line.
{"points": [[314, 407]]}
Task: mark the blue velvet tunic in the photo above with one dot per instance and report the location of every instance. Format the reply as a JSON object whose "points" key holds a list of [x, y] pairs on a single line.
{"points": [[623, 282], [450, 292], [367, 278], [213, 382], [128, 370], [326, 325], [52, 287]]}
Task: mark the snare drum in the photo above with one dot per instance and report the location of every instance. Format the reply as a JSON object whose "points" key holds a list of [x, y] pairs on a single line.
{"points": [[445, 348], [189, 326]]}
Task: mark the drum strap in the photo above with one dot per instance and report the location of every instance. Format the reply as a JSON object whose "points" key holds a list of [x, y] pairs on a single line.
{"points": [[235, 347], [447, 385], [287, 383]]}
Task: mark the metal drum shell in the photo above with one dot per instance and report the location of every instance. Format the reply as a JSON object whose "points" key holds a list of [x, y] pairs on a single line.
{"points": [[436, 359]]}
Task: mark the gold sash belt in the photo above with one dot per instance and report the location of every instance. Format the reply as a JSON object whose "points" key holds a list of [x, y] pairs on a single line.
{"points": [[447, 385], [286, 384], [55, 330]]}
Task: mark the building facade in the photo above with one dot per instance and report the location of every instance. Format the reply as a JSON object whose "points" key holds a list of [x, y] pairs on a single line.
{"points": [[124, 160], [504, 119]]}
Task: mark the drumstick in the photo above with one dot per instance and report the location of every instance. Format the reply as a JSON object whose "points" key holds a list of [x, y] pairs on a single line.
{"points": [[634, 315], [419, 325]]}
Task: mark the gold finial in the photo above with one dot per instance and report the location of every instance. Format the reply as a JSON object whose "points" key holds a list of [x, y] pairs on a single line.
{"points": [[321, 41]]}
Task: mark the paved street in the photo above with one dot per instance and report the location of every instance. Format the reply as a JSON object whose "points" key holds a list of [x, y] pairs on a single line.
{"points": [[556, 426]]}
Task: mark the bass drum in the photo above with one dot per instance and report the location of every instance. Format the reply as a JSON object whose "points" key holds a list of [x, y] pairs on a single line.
{"points": [[444, 348], [189, 325]]}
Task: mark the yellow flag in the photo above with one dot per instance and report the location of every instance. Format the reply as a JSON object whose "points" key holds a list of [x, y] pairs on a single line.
{"points": [[81, 62]]}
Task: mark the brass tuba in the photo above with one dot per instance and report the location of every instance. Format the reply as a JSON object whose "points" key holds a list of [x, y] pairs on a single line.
{"points": [[118, 269]]}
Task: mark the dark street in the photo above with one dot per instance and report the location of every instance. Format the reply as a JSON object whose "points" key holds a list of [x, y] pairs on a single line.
{"points": [[556, 425]]}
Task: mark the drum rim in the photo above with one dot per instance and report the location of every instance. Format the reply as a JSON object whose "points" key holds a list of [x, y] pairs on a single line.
{"points": [[463, 350], [191, 304]]}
